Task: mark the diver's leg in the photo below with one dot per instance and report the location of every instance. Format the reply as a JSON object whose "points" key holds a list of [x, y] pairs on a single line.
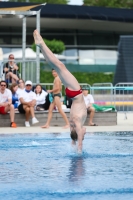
{"points": [[66, 77]]}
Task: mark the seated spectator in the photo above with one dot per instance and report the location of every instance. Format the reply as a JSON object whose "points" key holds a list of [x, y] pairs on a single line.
{"points": [[14, 88], [27, 103], [88, 98], [6, 103], [21, 88], [21, 85], [42, 98], [11, 70]]}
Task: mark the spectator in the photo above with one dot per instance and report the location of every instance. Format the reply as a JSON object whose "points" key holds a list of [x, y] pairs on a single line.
{"points": [[6, 102], [42, 98], [56, 93], [14, 88], [21, 88], [27, 103], [11, 70], [88, 98], [21, 85]]}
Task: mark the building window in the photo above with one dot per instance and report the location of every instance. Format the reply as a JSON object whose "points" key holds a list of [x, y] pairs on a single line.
{"points": [[16, 40]]}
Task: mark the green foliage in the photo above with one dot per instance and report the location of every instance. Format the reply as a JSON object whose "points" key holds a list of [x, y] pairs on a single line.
{"points": [[46, 77], [110, 3], [46, 1], [56, 46], [90, 78]]}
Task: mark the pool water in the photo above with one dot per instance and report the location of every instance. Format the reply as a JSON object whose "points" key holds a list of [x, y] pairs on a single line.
{"points": [[46, 167]]}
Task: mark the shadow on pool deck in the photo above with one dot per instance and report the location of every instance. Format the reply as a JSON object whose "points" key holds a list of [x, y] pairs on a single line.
{"points": [[123, 124]]}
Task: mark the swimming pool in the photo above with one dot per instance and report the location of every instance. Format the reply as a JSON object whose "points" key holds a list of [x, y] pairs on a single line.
{"points": [[46, 167]]}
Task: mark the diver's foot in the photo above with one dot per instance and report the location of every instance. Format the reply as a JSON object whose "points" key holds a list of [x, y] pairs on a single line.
{"points": [[66, 126], [37, 37], [45, 126]]}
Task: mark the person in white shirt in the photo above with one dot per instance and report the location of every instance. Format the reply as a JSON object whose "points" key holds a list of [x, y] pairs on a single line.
{"points": [[21, 85], [6, 102], [88, 98], [27, 103], [42, 98], [21, 88]]}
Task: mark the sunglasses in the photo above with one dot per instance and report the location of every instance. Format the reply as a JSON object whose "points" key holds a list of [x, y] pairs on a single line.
{"points": [[28, 85], [11, 57], [3, 85]]}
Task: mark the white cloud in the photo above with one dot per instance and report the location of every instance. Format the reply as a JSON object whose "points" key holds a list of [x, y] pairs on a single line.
{"points": [[75, 2]]}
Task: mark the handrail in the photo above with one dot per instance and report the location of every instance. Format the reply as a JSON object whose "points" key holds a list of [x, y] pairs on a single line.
{"points": [[116, 88]]}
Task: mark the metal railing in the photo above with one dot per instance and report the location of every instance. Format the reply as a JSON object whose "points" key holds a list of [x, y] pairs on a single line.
{"points": [[124, 97], [49, 86], [102, 92], [119, 96]]}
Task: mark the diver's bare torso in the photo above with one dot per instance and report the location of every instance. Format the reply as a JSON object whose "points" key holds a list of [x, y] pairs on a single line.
{"points": [[78, 116], [78, 111]]}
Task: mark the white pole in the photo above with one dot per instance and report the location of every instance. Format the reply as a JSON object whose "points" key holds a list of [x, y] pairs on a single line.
{"points": [[38, 49], [23, 47]]}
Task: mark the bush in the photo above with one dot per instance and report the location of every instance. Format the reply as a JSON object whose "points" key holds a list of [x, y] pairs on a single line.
{"points": [[56, 46], [82, 77], [92, 78]]}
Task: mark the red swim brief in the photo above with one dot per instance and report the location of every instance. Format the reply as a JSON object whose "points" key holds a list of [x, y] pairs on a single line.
{"points": [[71, 93], [2, 110]]}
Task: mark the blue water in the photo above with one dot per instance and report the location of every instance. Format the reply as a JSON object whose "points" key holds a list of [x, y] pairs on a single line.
{"points": [[46, 167]]}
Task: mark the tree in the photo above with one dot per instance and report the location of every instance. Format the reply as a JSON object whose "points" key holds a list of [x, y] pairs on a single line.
{"points": [[110, 3], [44, 1], [56, 46]]}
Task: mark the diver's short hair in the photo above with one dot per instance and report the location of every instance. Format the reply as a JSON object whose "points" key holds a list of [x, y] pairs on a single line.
{"points": [[74, 135]]}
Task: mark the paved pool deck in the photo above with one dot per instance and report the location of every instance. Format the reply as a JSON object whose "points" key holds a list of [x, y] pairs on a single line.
{"points": [[123, 124]]}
